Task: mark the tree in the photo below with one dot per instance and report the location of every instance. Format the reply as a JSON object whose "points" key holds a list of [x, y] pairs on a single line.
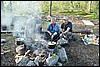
{"points": [[89, 6], [2, 8], [72, 4], [10, 8], [50, 8]]}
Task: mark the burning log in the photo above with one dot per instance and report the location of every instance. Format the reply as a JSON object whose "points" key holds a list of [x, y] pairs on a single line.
{"points": [[43, 54], [27, 53], [5, 51], [21, 60], [20, 50]]}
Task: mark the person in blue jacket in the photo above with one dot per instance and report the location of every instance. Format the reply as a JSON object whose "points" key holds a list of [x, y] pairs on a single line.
{"points": [[53, 31]]}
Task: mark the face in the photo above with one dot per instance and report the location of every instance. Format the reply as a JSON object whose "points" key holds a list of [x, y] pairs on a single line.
{"points": [[65, 21], [52, 21]]}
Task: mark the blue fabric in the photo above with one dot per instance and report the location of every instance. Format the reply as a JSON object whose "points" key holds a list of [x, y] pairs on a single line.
{"points": [[53, 29]]}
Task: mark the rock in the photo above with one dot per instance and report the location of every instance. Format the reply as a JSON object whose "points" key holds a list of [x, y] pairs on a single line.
{"points": [[75, 37], [2, 44], [3, 40], [62, 54], [36, 61], [23, 61], [30, 63], [96, 65], [59, 64], [51, 61]]}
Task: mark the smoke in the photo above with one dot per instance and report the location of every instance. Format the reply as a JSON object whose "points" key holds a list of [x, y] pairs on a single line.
{"points": [[26, 27], [5, 19]]}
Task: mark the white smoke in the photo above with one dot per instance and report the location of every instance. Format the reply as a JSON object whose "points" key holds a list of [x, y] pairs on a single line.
{"points": [[28, 26], [5, 19]]}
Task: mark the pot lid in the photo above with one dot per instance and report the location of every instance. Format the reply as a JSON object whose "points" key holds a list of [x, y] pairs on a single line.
{"points": [[51, 43]]}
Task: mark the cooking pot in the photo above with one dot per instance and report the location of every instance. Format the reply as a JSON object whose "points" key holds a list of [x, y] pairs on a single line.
{"points": [[4, 28], [51, 45], [19, 41]]}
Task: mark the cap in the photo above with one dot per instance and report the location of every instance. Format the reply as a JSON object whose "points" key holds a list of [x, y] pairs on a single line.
{"points": [[65, 18]]}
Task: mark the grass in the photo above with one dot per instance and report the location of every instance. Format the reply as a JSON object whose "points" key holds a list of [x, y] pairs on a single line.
{"points": [[8, 34], [91, 16], [44, 26]]}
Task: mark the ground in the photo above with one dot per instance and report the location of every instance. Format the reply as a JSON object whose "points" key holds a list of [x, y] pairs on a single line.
{"points": [[78, 53]]}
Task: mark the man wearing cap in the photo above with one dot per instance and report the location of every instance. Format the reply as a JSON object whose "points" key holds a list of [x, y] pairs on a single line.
{"points": [[53, 31], [66, 28]]}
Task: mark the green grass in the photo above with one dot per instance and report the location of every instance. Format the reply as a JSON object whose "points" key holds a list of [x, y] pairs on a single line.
{"points": [[91, 16], [8, 34], [44, 26]]}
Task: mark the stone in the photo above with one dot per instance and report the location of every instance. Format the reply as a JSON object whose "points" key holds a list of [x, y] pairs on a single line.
{"points": [[30, 63], [3, 40], [22, 61], [59, 64], [36, 61], [62, 54], [52, 60]]}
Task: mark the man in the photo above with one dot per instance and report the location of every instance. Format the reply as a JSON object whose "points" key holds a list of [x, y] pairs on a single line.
{"points": [[66, 28], [53, 31]]}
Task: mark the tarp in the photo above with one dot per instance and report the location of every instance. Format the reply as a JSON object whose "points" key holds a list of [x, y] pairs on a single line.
{"points": [[88, 22]]}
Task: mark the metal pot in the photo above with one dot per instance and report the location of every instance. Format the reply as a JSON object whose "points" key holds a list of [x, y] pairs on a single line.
{"points": [[4, 28], [19, 41], [51, 45]]}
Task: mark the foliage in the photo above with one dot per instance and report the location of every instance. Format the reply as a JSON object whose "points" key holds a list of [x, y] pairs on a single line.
{"points": [[79, 7]]}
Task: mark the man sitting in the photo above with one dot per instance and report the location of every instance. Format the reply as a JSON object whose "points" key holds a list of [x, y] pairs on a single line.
{"points": [[53, 31], [66, 28]]}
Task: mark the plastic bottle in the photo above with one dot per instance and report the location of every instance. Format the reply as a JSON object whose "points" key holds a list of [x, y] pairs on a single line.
{"points": [[95, 40]]}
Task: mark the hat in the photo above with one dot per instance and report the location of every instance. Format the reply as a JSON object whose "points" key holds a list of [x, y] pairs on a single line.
{"points": [[65, 18]]}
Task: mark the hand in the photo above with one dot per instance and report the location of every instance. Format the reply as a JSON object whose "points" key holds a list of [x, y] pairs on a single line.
{"points": [[52, 36], [64, 32], [60, 35], [64, 36]]}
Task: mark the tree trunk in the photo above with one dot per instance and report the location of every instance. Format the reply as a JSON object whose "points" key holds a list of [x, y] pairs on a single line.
{"points": [[89, 6], [50, 8], [72, 4], [11, 8], [2, 8]]}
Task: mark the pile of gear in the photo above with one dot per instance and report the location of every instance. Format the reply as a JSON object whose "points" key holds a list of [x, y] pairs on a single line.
{"points": [[91, 39]]}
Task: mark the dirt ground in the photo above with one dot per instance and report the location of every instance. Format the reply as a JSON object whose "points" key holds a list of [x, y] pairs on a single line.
{"points": [[78, 53]]}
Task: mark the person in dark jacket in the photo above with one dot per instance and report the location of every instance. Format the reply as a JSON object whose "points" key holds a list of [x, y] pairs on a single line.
{"points": [[66, 28]]}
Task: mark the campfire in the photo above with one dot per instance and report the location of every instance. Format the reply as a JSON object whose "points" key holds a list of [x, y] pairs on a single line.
{"points": [[40, 53]]}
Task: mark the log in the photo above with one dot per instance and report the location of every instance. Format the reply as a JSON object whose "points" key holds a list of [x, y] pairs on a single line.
{"points": [[84, 31], [27, 53]]}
